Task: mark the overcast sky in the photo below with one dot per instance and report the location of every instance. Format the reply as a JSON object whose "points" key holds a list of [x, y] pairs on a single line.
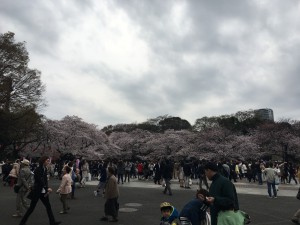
{"points": [[112, 62]]}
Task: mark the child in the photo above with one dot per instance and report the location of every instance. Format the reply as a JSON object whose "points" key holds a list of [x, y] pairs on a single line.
{"points": [[169, 214]]}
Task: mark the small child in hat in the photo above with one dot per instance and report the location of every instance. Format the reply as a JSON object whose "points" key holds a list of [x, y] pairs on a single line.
{"points": [[169, 214]]}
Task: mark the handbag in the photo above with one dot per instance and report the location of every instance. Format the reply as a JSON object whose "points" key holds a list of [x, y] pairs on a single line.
{"points": [[298, 195], [17, 188]]}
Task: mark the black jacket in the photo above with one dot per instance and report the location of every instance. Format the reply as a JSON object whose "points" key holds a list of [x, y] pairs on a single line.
{"points": [[40, 181]]}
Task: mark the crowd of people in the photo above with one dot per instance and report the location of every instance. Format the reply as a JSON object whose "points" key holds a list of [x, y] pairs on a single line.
{"points": [[32, 177]]}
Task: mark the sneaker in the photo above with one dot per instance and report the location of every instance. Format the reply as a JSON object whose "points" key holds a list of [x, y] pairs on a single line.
{"points": [[275, 196], [17, 215], [63, 212], [95, 193]]}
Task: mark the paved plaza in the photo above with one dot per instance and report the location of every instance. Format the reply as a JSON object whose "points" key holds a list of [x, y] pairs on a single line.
{"points": [[139, 204]]}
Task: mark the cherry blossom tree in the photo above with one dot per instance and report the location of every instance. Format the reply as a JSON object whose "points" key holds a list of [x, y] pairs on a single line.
{"points": [[72, 135]]}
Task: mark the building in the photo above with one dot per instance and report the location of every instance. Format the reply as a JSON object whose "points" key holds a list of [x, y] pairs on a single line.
{"points": [[265, 114]]}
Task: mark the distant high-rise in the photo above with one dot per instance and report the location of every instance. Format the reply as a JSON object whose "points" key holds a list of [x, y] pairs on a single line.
{"points": [[265, 114]]}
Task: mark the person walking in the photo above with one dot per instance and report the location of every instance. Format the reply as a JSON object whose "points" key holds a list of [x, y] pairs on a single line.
{"points": [[201, 176], [102, 180], [24, 182], [65, 188], [74, 178], [40, 191], [167, 171], [222, 193], [111, 206]]}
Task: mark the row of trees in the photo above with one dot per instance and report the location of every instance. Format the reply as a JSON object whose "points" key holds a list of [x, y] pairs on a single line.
{"points": [[25, 132], [277, 140]]}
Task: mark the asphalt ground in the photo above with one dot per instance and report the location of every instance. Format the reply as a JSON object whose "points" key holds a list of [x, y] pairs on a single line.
{"points": [[140, 200]]}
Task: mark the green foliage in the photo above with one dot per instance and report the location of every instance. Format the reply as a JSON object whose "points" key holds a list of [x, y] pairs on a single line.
{"points": [[174, 123], [21, 92], [159, 124], [17, 129]]}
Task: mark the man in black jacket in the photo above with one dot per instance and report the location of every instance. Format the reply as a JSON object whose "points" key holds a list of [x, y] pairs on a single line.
{"points": [[222, 192], [167, 175], [40, 190]]}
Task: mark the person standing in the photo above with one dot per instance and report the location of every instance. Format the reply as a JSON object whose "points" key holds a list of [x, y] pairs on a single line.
{"points": [[85, 172], [187, 169], [120, 171], [270, 174], [40, 191], [24, 182], [157, 173], [14, 173], [222, 193], [111, 206], [65, 188], [6, 168], [74, 178], [140, 168], [127, 171]]}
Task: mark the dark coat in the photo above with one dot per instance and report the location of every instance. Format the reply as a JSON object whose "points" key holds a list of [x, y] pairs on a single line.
{"points": [[167, 171], [225, 196], [40, 181], [195, 211]]}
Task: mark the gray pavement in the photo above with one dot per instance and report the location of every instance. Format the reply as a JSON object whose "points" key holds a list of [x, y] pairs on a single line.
{"points": [[242, 187], [139, 204]]}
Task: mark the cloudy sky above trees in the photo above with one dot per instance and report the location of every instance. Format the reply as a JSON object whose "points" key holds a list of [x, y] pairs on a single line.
{"points": [[112, 62]]}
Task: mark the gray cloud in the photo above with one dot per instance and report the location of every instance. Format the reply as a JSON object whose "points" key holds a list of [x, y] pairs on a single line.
{"points": [[124, 61]]}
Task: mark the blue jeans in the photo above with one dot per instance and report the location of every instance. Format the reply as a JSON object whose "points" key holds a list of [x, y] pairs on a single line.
{"points": [[273, 187]]}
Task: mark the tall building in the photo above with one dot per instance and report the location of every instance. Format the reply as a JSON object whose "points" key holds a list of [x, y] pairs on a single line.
{"points": [[265, 114]]}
